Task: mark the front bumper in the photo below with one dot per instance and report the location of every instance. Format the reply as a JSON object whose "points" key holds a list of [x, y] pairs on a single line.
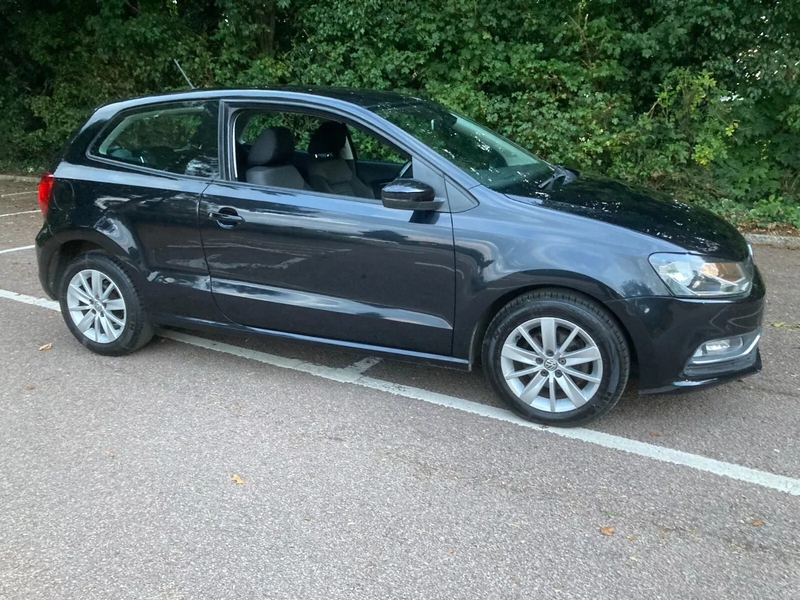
{"points": [[666, 332], [750, 366]]}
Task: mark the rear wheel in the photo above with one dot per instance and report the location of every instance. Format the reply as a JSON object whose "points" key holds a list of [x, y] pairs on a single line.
{"points": [[102, 307], [556, 358]]}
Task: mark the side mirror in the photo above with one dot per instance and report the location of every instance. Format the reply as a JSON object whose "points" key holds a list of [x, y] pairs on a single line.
{"points": [[408, 194]]}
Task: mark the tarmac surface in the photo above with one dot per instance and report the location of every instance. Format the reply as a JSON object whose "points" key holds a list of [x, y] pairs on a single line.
{"points": [[223, 467]]}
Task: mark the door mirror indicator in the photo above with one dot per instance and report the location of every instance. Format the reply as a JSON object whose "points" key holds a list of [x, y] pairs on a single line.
{"points": [[409, 194]]}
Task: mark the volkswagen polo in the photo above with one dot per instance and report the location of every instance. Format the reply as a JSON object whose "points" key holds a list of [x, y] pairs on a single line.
{"points": [[392, 226]]}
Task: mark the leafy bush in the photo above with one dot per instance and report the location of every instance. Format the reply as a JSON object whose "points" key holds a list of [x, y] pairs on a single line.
{"points": [[697, 99]]}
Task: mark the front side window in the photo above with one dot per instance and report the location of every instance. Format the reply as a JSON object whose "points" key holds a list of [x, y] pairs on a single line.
{"points": [[490, 158], [301, 125], [295, 150], [178, 138], [372, 149]]}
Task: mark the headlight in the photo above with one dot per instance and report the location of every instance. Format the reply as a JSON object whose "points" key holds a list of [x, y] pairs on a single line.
{"points": [[692, 276]]}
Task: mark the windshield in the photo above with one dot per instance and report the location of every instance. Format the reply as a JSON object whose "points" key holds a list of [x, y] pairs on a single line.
{"points": [[490, 158]]}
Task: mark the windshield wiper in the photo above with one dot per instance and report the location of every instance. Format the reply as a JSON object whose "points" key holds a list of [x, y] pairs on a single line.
{"points": [[559, 172]]}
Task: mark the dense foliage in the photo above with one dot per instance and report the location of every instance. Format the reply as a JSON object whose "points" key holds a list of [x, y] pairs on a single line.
{"points": [[698, 98]]}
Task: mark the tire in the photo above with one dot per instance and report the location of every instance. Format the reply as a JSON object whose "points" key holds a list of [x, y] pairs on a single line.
{"points": [[115, 325], [562, 389]]}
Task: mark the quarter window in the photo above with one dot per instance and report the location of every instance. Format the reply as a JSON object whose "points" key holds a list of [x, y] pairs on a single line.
{"points": [[177, 138]]}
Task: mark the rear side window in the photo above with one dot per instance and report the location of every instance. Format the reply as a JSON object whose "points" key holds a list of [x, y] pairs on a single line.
{"points": [[178, 138]]}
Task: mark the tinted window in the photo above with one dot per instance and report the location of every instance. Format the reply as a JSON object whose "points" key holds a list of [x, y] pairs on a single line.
{"points": [[179, 138]]}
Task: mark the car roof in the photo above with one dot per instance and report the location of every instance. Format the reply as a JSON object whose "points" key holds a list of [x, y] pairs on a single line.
{"points": [[363, 98]]}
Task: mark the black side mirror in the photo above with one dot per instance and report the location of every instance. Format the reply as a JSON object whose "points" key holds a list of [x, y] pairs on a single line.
{"points": [[409, 194]]}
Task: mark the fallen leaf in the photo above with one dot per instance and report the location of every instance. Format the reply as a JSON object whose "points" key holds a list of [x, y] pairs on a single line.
{"points": [[30, 387], [779, 324], [758, 523], [45, 347], [236, 479], [655, 434], [608, 530], [629, 537]]}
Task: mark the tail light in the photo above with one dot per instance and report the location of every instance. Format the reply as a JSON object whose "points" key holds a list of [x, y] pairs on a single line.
{"points": [[45, 187]]}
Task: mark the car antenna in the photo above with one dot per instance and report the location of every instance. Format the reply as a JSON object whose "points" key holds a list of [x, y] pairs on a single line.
{"points": [[177, 64]]}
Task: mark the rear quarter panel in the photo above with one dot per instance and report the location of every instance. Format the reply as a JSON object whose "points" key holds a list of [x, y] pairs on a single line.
{"points": [[147, 221]]}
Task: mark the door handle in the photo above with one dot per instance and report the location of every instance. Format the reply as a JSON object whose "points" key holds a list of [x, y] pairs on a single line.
{"points": [[225, 216]]}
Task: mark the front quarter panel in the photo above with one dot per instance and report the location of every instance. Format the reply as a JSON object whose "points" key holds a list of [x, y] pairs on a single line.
{"points": [[505, 247]]}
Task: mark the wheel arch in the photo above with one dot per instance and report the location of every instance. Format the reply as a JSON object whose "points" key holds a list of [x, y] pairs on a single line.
{"points": [[65, 249], [482, 325]]}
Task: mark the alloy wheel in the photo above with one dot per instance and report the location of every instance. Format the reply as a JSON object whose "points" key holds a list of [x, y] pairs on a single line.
{"points": [[96, 306], [551, 364]]}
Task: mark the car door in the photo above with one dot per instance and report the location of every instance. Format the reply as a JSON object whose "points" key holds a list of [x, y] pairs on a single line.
{"points": [[331, 266]]}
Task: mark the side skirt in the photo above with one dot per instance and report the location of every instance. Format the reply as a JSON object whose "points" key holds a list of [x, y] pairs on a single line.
{"points": [[381, 351]]}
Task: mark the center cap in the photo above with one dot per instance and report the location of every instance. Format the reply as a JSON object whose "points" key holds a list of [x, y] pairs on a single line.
{"points": [[550, 364]]}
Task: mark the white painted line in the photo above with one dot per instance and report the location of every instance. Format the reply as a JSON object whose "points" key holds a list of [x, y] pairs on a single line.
{"points": [[24, 212], [16, 249], [765, 479], [364, 364], [41, 302], [677, 457], [16, 194]]}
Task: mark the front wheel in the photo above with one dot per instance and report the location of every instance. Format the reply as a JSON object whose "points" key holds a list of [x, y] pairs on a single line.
{"points": [[101, 306], [556, 358]]}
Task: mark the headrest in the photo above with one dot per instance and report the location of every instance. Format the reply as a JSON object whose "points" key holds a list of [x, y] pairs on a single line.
{"points": [[272, 146], [328, 140]]}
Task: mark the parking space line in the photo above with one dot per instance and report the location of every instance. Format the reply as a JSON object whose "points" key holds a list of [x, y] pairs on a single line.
{"points": [[16, 249], [33, 300], [24, 212], [16, 194], [364, 364], [764, 479]]}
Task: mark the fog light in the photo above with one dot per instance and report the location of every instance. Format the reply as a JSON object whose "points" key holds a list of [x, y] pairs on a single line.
{"points": [[725, 349], [714, 347]]}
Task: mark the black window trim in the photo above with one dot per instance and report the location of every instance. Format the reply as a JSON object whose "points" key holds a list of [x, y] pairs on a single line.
{"points": [[235, 107], [236, 115], [230, 107], [358, 116], [153, 107]]}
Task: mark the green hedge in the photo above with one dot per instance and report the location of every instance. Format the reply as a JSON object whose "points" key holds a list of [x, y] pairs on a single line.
{"points": [[700, 99]]}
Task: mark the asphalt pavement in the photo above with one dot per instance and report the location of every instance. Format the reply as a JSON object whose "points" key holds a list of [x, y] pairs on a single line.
{"points": [[222, 467]]}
